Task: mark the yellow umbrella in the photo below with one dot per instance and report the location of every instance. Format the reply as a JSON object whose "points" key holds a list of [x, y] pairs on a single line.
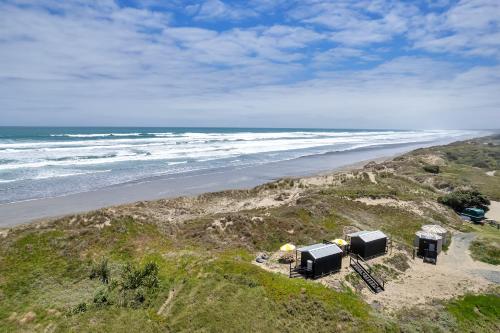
{"points": [[287, 247], [339, 242]]}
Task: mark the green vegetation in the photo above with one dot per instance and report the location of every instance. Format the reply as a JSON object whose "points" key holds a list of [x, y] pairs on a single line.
{"points": [[485, 250], [486, 247], [469, 313], [461, 199], [398, 261], [100, 271], [464, 165], [135, 288], [431, 168], [135, 270], [178, 290], [477, 313]]}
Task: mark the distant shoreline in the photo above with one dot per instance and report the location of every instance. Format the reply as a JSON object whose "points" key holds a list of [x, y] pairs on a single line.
{"points": [[195, 183]]}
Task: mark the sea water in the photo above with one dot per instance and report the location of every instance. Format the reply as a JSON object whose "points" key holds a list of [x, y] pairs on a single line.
{"points": [[41, 162]]}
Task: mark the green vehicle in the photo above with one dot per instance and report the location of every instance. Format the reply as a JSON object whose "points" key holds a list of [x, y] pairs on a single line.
{"points": [[475, 214]]}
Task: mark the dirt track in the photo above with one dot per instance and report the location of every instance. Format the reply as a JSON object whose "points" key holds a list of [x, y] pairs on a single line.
{"points": [[455, 274]]}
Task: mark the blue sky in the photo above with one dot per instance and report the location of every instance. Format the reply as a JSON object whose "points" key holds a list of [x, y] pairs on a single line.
{"points": [[308, 63]]}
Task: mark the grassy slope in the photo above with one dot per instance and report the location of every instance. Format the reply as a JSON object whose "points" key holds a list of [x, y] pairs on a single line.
{"points": [[45, 269], [466, 166], [486, 247]]}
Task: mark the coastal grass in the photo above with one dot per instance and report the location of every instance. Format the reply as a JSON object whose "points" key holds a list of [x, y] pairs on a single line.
{"points": [[486, 247], [466, 165], [468, 313], [464, 175], [43, 275], [486, 251], [476, 313]]}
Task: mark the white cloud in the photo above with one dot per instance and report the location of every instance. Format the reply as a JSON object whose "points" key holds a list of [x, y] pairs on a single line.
{"points": [[469, 27], [218, 10], [98, 63], [357, 23]]}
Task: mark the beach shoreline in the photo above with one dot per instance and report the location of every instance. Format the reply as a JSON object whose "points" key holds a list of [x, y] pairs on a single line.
{"points": [[197, 183], [212, 241]]}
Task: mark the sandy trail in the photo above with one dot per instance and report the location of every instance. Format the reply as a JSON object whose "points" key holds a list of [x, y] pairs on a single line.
{"points": [[455, 274], [494, 212]]}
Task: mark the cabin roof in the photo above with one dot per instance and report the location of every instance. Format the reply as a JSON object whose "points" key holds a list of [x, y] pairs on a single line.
{"points": [[321, 250], [434, 228], [368, 236], [428, 235]]}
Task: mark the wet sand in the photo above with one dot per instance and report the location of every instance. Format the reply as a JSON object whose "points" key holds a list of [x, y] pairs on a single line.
{"points": [[193, 183]]}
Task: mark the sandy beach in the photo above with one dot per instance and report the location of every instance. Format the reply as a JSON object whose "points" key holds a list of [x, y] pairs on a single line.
{"points": [[494, 212], [194, 183]]}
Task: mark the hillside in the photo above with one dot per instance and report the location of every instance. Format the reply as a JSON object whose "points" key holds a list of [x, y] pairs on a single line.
{"points": [[188, 264]]}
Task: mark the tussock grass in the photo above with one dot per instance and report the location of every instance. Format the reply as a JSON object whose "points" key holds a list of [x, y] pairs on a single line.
{"points": [[476, 313]]}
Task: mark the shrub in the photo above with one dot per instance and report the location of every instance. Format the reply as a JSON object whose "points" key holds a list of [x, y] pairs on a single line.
{"points": [[461, 199], [481, 164], [451, 156], [80, 308], [137, 284], [431, 168], [133, 278], [100, 271], [102, 297]]}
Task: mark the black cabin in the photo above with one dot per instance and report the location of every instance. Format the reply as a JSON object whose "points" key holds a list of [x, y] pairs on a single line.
{"points": [[320, 259], [429, 246], [368, 244]]}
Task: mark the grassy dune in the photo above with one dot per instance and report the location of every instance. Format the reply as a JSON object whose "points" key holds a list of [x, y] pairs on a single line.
{"points": [[206, 279]]}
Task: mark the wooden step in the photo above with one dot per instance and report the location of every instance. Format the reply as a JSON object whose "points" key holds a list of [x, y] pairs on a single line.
{"points": [[367, 277]]}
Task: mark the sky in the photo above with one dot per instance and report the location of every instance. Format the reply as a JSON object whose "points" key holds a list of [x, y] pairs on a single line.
{"points": [[256, 63]]}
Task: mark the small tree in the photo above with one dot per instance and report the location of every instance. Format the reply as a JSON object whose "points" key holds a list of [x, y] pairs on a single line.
{"points": [[431, 168], [461, 199]]}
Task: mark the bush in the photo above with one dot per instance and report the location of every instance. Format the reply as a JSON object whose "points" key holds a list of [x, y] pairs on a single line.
{"points": [[451, 156], [431, 168], [481, 164], [134, 288], [100, 271], [80, 308], [101, 297], [137, 285], [133, 278], [461, 199]]}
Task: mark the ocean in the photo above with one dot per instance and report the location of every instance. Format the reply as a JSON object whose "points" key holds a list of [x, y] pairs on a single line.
{"points": [[45, 162]]}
